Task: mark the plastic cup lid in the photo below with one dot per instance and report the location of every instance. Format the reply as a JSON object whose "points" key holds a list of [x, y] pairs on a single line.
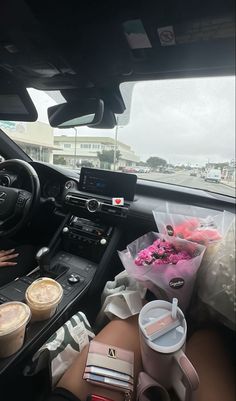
{"points": [[44, 291], [172, 340], [12, 316]]}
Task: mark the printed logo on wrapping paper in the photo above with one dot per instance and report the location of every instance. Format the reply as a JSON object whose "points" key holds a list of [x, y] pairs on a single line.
{"points": [[176, 283], [112, 353], [170, 230]]}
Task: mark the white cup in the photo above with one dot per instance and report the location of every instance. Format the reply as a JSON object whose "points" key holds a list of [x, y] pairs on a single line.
{"points": [[43, 297], [14, 317], [164, 358]]}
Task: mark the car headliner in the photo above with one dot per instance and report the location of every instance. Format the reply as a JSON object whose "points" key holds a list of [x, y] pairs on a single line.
{"points": [[82, 49]]}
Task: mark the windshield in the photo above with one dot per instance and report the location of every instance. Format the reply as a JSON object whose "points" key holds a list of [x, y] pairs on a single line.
{"points": [[179, 131]]}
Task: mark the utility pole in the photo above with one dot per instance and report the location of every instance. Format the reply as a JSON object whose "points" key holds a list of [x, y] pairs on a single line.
{"points": [[75, 146], [115, 148]]}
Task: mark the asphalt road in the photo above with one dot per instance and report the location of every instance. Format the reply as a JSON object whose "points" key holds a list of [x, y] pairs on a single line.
{"points": [[184, 178]]}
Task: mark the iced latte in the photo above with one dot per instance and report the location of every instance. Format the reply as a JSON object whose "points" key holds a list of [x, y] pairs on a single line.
{"points": [[43, 297], [14, 317]]}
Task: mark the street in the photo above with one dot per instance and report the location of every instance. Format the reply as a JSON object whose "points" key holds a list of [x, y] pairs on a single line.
{"points": [[184, 178]]}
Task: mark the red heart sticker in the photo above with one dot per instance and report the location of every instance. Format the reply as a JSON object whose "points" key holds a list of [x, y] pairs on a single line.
{"points": [[117, 201]]}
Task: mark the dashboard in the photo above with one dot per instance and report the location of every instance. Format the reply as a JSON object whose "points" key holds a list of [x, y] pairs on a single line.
{"points": [[53, 181], [94, 192]]}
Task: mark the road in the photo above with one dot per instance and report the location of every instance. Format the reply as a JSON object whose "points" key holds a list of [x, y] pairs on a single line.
{"points": [[184, 178]]}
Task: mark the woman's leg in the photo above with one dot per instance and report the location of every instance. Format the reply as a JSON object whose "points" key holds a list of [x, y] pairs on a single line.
{"points": [[120, 333], [207, 353]]}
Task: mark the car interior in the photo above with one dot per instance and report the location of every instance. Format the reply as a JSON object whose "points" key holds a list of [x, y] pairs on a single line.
{"points": [[81, 50]]}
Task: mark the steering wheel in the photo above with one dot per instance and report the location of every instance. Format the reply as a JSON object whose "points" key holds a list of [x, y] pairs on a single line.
{"points": [[17, 205]]}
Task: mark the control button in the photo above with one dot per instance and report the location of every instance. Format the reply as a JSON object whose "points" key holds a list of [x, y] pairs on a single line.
{"points": [[103, 241], [65, 230], [68, 287], [73, 278], [69, 185], [21, 201]]}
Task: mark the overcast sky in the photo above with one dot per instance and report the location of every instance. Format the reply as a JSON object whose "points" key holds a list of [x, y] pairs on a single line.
{"points": [[184, 121]]}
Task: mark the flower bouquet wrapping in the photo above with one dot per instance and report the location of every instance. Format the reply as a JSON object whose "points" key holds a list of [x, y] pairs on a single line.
{"points": [[217, 279], [216, 230], [204, 226], [166, 266]]}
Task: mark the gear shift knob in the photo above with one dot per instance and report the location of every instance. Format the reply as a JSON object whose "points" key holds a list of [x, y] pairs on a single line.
{"points": [[42, 257]]}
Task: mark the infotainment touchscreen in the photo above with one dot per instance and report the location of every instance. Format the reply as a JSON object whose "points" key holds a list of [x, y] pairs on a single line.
{"points": [[108, 183]]}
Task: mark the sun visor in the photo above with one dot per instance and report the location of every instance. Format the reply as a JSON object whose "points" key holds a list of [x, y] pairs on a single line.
{"points": [[15, 102]]}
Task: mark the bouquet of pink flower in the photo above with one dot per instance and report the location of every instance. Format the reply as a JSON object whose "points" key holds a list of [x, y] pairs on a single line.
{"points": [[159, 253], [165, 265], [193, 223]]}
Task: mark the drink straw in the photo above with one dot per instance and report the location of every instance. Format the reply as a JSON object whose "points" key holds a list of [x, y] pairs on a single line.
{"points": [[174, 308]]}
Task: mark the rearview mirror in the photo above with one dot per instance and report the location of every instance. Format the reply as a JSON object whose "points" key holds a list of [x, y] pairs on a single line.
{"points": [[73, 114], [108, 120]]}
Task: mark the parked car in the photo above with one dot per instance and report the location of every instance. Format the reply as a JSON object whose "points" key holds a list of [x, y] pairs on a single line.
{"points": [[129, 169], [142, 169], [168, 170]]}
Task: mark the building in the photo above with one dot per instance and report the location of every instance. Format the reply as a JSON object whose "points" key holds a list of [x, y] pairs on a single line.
{"points": [[72, 151], [36, 138]]}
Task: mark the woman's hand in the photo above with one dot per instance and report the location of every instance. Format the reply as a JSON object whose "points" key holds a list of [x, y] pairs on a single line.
{"points": [[5, 256]]}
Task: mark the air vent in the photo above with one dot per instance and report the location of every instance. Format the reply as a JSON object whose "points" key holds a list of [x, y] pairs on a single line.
{"points": [[75, 200], [116, 211], [94, 205]]}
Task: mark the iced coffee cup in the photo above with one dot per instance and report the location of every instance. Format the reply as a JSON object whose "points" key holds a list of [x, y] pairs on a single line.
{"points": [[43, 297], [14, 317]]}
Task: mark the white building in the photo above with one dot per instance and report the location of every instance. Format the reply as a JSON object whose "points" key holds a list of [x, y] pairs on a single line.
{"points": [[72, 150], [36, 139]]}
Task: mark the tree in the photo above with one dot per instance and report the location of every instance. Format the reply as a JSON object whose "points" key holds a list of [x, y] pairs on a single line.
{"points": [[107, 156], [155, 162]]}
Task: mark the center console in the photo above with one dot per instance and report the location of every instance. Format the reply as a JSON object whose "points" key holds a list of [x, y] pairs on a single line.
{"points": [[87, 238], [80, 254]]}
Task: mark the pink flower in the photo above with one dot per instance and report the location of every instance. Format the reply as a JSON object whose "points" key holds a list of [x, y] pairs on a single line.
{"points": [[159, 253]]}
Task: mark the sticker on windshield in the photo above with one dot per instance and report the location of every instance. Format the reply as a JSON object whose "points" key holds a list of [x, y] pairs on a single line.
{"points": [[166, 35], [136, 34]]}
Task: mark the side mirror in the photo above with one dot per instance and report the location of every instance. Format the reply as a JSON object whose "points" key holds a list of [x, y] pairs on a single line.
{"points": [[74, 114]]}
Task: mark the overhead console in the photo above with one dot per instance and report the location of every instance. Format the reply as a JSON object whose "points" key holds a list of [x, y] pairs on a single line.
{"points": [[102, 191]]}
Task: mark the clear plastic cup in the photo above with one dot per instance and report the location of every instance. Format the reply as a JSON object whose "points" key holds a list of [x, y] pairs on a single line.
{"points": [[14, 317], [43, 297]]}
